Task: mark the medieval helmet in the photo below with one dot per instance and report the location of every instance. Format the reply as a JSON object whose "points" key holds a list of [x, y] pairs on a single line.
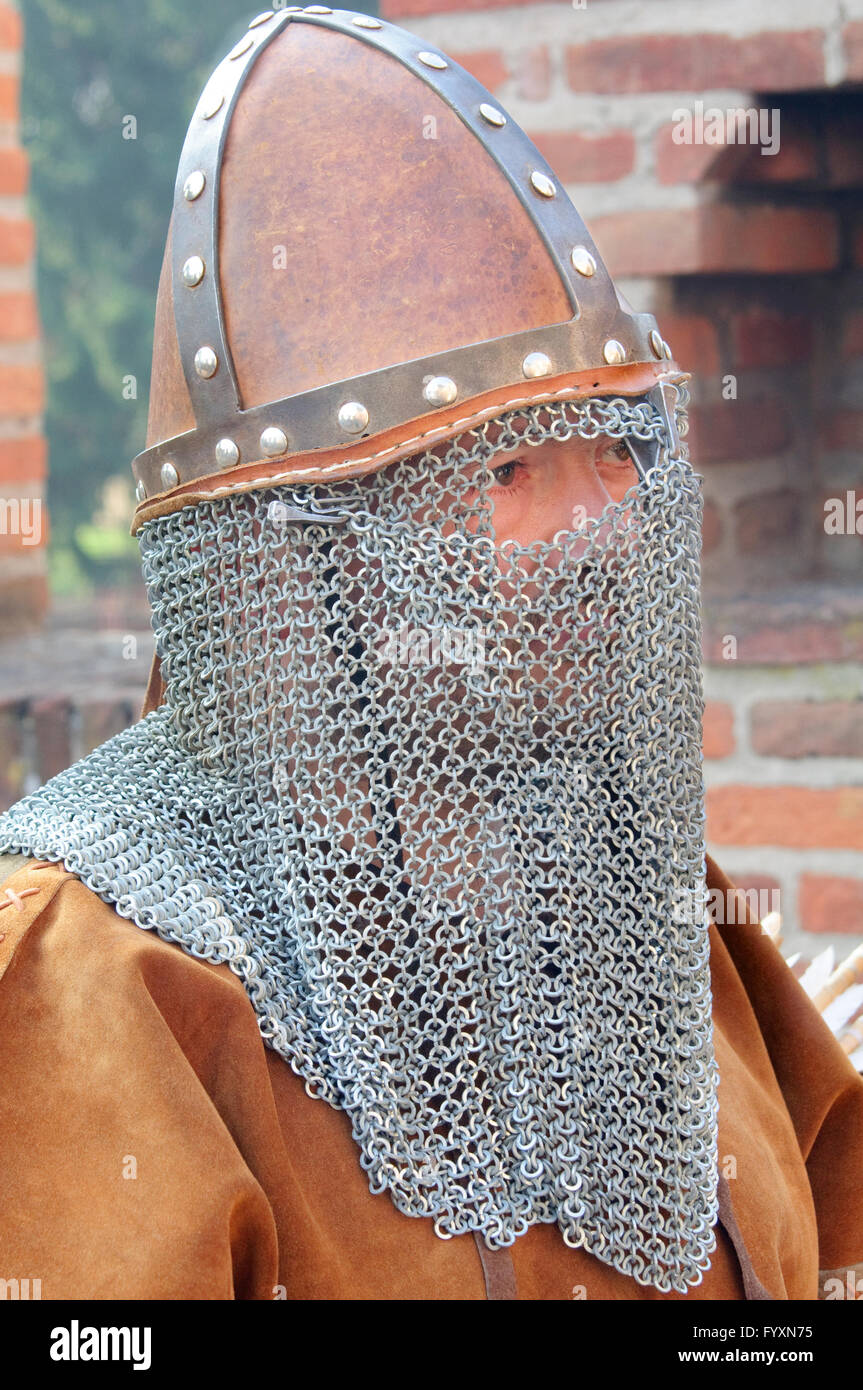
{"points": [[366, 255]]}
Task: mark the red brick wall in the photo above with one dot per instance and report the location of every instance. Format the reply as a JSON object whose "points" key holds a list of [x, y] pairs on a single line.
{"points": [[23, 522]]}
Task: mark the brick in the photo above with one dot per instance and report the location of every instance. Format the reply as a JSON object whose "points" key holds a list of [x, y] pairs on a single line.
{"points": [[828, 903], [796, 645], [796, 161], [711, 528], [10, 89], [13, 764], [796, 817], [735, 430], [852, 42], [694, 341], [760, 338], [22, 461], [693, 163], [51, 722], [808, 728], [486, 65], [23, 606], [587, 158], [101, 719], [768, 61], [763, 238], [769, 522], [17, 240], [842, 429], [852, 335], [718, 730], [22, 390], [843, 154], [11, 29], [14, 170], [34, 527], [19, 318], [533, 74]]}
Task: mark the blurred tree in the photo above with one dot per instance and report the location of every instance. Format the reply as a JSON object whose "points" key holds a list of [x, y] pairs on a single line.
{"points": [[108, 90]]}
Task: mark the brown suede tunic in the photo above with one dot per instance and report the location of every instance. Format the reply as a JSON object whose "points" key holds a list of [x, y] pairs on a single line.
{"points": [[151, 1146]]}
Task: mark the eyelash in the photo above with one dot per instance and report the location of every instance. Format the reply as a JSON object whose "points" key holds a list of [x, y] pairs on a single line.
{"points": [[619, 449], [518, 479]]}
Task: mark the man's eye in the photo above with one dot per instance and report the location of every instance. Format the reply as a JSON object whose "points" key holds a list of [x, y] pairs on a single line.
{"points": [[619, 451], [505, 473]]}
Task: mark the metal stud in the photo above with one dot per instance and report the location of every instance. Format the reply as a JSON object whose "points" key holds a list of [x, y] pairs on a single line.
{"points": [[655, 340], [365, 21], [206, 362], [140, 491], [227, 453], [262, 18], [667, 350], [193, 272], [353, 417], [273, 441], [536, 364], [543, 184], [210, 104], [614, 352], [169, 475], [491, 114], [440, 390], [242, 47], [582, 260], [316, 9], [194, 185], [433, 60]]}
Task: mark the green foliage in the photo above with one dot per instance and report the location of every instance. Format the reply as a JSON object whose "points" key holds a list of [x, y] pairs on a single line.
{"points": [[101, 204]]}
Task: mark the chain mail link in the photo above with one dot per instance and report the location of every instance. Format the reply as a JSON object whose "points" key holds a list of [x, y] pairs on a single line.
{"points": [[448, 885]]}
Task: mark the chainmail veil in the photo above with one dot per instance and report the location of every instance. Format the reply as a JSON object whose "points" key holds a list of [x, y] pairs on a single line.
{"points": [[437, 808]]}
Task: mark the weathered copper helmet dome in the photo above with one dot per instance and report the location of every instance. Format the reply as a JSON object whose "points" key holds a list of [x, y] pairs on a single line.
{"points": [[366, 255]]}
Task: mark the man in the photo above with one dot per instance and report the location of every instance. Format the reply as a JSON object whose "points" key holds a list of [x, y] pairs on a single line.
{"points": [[417, 799]]}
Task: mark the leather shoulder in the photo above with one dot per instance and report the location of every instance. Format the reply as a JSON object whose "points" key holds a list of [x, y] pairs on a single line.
{"points": [[27, 886]]}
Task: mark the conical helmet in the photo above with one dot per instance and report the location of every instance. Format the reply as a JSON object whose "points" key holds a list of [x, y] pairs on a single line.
{"points": [[366, 255]]}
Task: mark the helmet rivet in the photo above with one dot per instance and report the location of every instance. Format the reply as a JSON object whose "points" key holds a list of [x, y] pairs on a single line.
{"points": [[440, 390], [316, 9], [194, 185], [242, 47], [365, 21], [227, 453], [536, 364], [614, 352], [206, 362], [491, 114], [261, 18], [433, 60], [273, 441], [656, 343], [210, 104], [193, 272], [667, 350], [140, 491], [543, 184], [582, 260], [353, 417], [169, 475]]}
